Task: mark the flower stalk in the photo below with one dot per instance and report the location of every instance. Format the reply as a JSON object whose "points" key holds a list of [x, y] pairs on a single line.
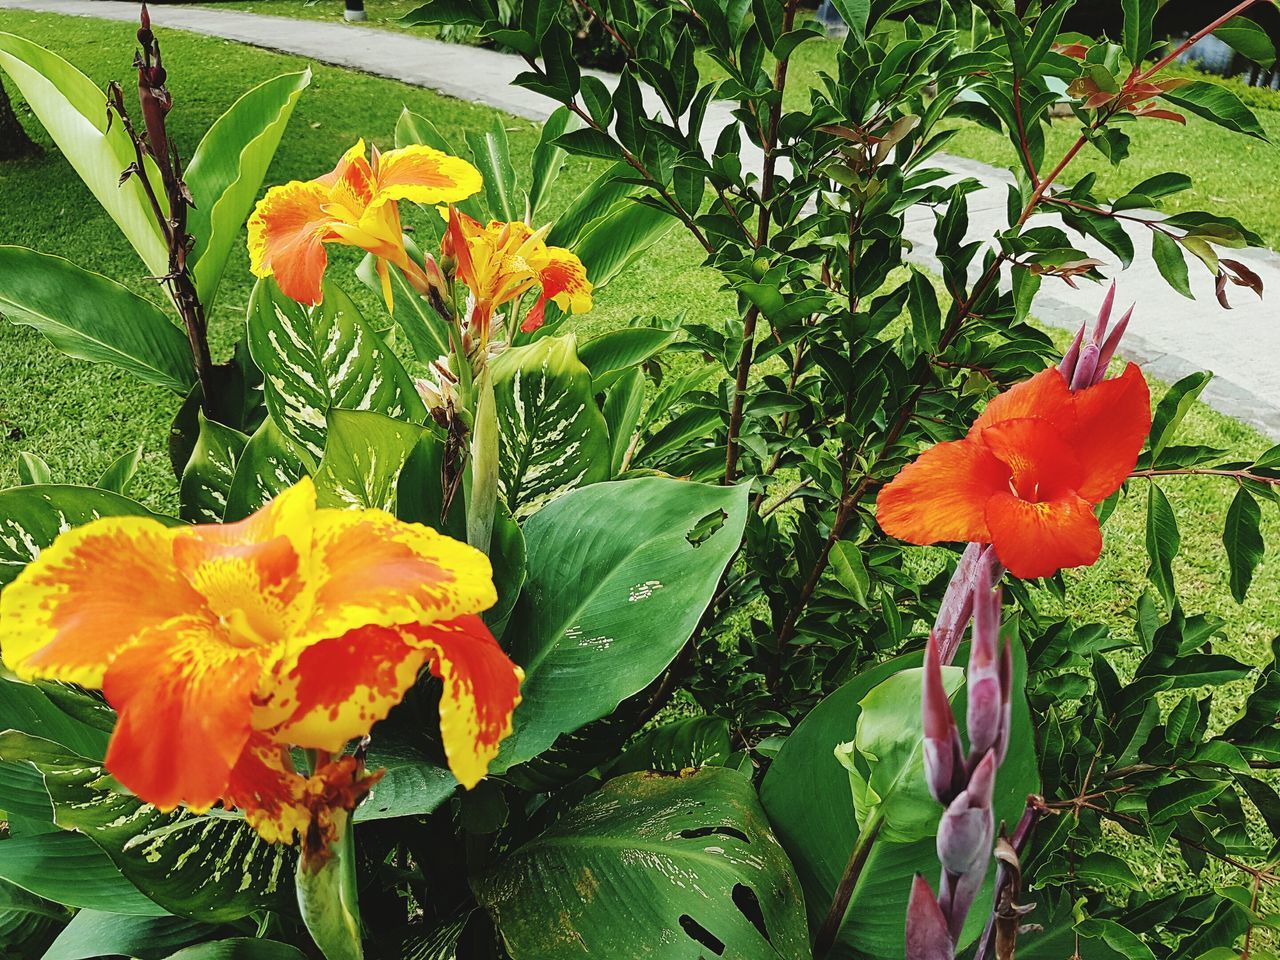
{"points": [[327, 892]]}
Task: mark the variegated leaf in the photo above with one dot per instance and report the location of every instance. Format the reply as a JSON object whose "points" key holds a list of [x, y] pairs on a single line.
{"points": [[206, 480], [31, 517], [553, 436], [209, 867], [318, 359], [269, 464], [362, 460]]}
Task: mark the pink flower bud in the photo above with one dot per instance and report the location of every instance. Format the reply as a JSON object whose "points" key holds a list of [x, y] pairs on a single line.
{"points": [[927, 934], [943, 756]]}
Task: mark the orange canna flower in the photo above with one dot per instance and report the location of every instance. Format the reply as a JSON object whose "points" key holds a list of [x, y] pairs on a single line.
{"points": [[1028, 474], [221, 646], [500, 262], [356, 205]]}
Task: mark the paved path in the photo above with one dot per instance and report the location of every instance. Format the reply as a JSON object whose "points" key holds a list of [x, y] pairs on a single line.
{"points": [[1172, 336]]}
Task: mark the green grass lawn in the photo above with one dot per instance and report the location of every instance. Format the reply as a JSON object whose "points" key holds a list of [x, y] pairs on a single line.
{"points": [[81, 417]]}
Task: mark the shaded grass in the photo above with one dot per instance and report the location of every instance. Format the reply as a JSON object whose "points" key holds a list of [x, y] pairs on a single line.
{"points": [[81, 417]]}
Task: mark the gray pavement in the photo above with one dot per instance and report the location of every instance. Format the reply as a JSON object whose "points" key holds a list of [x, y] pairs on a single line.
{"points": [[1170, 335]]}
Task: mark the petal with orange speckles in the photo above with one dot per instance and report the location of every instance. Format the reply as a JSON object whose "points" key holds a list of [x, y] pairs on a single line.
{"points": [[481, 691], [267, 789], [564, 282], [286, 238], [89, 596], [184, 694], [426, 175], [942, 495], [1112, 420], [373, 570], [1039, 539]]}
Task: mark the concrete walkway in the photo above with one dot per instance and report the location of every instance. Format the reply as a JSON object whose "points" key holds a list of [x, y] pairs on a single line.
{"points": [[1170, 335]]}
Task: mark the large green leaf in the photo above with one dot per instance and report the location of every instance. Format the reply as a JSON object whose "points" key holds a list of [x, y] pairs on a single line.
{"points": [[206, 480], [74, 111], [600, 196], [362, 460], [611, 355], [553, 436], [269, 464], [619, 238], [27, 922], [209, 867], [71, 869], [414, 784], [240, 948], [323, 358], [653, 866], [31, 518], [89, 317], [618, 578], [227, 169], [808, 798], [548, 158], [95, 933], [492, 158]]}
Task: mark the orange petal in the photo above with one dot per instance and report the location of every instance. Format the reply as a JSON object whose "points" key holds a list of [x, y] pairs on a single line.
{"points": [[354, 153], [370, 569], [265, 786], [426, 175], [1043, 466], [1112, 421], [481, 690], [341, 687], [184, 696], [90, 595], [1046, 395], [286, 239], [1039, 539], [942, 495], [456, 243], [564, 281]]}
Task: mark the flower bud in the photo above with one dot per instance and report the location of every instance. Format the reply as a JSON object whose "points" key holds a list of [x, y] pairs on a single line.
{"points": [[927, 935], [1086, 366], [943, 755], [967, 829], [987, 693]]}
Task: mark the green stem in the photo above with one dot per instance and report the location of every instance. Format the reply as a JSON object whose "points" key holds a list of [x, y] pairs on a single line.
{"points": [[326, 884], [848, 883]]}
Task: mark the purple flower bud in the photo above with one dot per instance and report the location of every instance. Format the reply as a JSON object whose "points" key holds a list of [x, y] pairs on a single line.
{"points": [[943, 756], [987, 694], [1086, 366], [927, 935], [956, 895], [957, 603], [1001, 746], [1104, 315], [1109, 348], [965, 837], [1068, 365]]}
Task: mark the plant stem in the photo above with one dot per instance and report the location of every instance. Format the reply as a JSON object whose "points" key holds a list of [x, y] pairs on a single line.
{"points": [[1194, 39], [844, 890], [1206, 472]]}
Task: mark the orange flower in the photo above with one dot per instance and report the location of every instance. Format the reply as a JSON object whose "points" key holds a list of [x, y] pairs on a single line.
{"points": [[1028, 474], [356, 205], [502, 261], [222, 646]]}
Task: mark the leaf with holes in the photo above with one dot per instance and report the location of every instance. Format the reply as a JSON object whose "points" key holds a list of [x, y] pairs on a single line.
{"points": [[31, 517], [318, 359], [209, 867], [616, 585], [554, 437], [687, 862]]}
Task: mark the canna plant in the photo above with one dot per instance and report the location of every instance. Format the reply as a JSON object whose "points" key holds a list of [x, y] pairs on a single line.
{"points": [[473, 640]]}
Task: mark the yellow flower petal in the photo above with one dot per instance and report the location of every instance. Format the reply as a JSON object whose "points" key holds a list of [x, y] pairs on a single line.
{"points": [[426, 175]]}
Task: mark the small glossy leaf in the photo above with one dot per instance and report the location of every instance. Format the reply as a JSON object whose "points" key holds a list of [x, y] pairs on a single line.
{"points": [[1242, 536], [1163, 542]]}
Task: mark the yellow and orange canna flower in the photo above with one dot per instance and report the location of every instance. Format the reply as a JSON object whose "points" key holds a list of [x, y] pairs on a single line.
{"points": [[502, 261], [221, 646], [1027, 476], [355, 205]]}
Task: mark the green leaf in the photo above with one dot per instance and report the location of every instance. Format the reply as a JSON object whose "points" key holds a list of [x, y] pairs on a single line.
{"points": [[1249, 40], [239, 948], [616, 240], [209, 867], [623, 408], [320, 359], [1171, 800], [269, 464], [820, 836], [1172, 409], [1163, 542], [1171, 263], [32, 469], [553, 436], [118, 477], [688, 862], [849, 570], [31, 518], [89, 317], [28, 708], [684, 744], [589, 142], [95, 933], [548, 158], [206, 481], [71, 869], [611, 355], [462, 12], [413, 785], [227, 169], [855, 14], [1242, 536], [424, 329], [606, 563], [1219, 105], [492, 158], [362, 460], [590, 205], [1116, 936], [73, 109], [1138, 18]]}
